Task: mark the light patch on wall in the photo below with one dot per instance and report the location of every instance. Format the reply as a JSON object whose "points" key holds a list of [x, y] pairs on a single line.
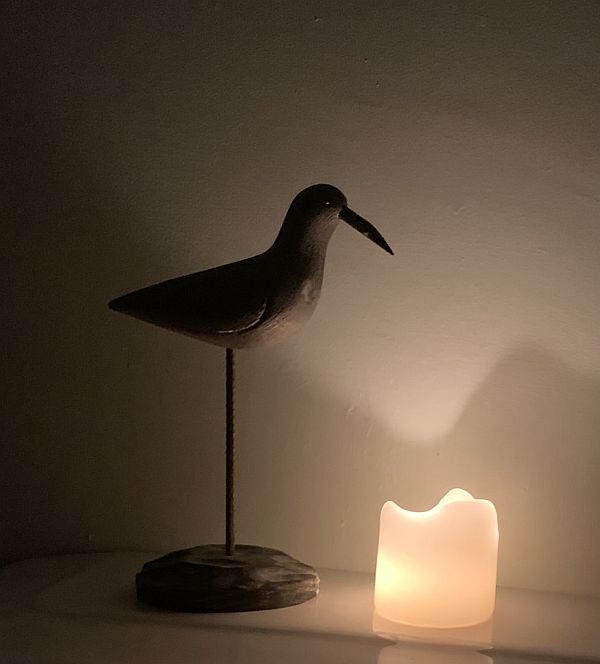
{"points": [[425, 410], [419, 398]]}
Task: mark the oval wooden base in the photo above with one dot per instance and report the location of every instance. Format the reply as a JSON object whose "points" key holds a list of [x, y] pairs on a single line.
{"points": [[206, 580]]}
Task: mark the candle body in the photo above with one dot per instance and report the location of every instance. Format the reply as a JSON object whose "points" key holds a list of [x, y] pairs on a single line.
{"points": [[438, 568]]}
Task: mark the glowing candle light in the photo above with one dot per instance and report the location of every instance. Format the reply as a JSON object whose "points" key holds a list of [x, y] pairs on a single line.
{"points": [[438, 568]]}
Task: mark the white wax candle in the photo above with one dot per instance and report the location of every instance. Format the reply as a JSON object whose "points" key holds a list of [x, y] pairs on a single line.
{"points": [[438, 568]]}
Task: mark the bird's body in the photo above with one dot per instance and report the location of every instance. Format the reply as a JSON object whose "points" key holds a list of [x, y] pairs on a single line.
{"points": [[237, 305], [258, 300]]}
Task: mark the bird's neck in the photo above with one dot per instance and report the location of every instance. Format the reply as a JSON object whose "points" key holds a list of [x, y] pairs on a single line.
{"points": [[307, 240]]}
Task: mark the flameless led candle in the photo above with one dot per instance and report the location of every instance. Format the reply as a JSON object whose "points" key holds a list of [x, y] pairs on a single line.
{"points": [[438, 568]]}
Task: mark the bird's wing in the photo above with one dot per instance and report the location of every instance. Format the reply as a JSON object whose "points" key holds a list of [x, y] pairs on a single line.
{"points": [[226, 299]]}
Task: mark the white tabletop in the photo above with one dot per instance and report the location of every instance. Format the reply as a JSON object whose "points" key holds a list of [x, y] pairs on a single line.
{"points": [[82, 609]]}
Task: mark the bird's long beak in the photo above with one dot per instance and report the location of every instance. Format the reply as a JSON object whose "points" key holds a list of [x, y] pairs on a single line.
{"points": [[364, 227]]}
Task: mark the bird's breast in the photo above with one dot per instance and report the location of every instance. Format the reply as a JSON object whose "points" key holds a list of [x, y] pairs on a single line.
{"points": [[293, 289], [294, 307], [288, 309], [309, 293]]}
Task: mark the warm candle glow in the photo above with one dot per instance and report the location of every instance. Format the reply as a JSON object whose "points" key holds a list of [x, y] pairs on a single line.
{"points": [[438, 568]]}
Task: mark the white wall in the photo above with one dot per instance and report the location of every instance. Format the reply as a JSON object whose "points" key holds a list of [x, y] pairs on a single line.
{"points": [[148, 142]]}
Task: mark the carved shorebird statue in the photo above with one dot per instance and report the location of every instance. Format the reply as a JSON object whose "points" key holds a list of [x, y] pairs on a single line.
{"points": [[255, 301], [258, 300]]}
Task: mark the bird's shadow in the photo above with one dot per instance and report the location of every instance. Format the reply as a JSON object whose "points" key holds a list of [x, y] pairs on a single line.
{"points": [[73, 399]]}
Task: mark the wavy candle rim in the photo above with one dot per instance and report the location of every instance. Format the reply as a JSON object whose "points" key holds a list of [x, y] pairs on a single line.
{"points": [[451, 497]]}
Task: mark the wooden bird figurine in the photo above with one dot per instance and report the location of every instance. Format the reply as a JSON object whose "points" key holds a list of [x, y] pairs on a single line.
{"points": [[258, 300], [254, 301]]}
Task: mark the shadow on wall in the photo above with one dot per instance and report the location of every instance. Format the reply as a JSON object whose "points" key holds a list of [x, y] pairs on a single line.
{"points": [[534, 428], [529, 440], [77, 390]]}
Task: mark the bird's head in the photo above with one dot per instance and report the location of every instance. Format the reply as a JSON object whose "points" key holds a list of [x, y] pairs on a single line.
{"points": [[324, 205]]}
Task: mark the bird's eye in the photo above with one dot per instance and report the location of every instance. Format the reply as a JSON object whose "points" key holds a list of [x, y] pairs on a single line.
{"points": [[328, 203]]}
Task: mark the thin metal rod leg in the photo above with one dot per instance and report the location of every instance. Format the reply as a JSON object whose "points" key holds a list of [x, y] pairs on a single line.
{"points": [[229, 455]]}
